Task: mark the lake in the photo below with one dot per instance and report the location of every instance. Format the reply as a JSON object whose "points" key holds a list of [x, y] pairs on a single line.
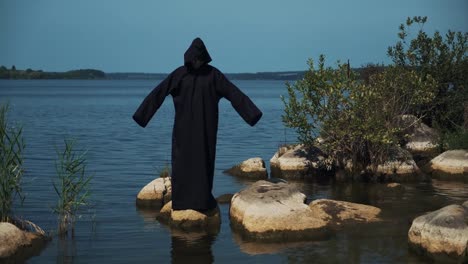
{"points": [[125, 157]]}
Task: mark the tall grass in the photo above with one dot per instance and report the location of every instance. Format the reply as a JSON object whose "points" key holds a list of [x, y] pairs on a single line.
{"points": [[71, 185], [11, 164]]}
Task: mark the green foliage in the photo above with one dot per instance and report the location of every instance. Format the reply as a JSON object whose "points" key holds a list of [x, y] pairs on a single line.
{"points": [[11, 164], [455, 140], [165, 171], [71, 185], [445, 59], [358, 121]]}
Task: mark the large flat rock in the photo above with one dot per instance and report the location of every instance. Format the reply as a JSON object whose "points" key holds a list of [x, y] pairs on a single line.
{"points": [[267, 210], [442, 234], [341, 213]]}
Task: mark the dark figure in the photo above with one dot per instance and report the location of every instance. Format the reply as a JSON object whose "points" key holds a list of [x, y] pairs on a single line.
{"points": [[196, 89]]}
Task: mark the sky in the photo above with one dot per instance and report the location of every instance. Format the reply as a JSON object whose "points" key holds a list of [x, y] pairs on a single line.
{"points": [[241, 35]]}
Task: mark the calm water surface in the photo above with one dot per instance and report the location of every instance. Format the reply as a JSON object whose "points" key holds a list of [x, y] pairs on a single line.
{"points": [[124, 157]]}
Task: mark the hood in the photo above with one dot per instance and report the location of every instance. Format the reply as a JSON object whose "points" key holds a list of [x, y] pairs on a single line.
{"points": [[196, 55]]}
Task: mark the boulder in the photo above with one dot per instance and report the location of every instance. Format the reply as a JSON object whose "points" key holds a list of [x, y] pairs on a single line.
{"points": [[442, 234], [277, 212], [155, 194], [340, 213], [18, 245], [274, 211], [190, 220], [452, 164], [297, 162], [400, 168], [253, 168]]}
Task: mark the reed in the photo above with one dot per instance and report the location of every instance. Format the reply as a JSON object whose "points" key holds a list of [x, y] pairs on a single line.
{"points": [[72, 186], [11, 164]]}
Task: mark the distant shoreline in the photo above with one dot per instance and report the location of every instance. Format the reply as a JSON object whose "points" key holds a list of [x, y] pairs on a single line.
{"points": [[93, 74]]}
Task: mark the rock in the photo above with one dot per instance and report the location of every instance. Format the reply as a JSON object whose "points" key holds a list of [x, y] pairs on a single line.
{"points": [[442, 234], [400, 168], [422, 139], [272, 211], [394, 185], [224, 198], [296, 162], [340, 213], [452, 164], [252, 168], [155, 194], [16, 244], [190, 220]]}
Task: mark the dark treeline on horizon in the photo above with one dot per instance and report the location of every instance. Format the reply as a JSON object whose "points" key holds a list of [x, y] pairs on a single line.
{"points": [[90, 74]]}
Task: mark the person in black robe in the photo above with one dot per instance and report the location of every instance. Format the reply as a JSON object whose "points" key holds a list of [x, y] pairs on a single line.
{"points": [[196, 88]]}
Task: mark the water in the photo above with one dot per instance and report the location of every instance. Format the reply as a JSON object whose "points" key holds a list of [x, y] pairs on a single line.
{"points": [[125, 157]]}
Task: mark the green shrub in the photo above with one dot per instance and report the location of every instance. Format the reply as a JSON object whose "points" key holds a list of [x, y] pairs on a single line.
{"points": [[445, 59], [455, 140], [358, 121], [11, 164], [71, 185]]}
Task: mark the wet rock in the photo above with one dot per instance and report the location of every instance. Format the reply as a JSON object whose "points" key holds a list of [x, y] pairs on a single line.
{"points": [[401, 168], [190, 220], [340, 213], [225, 198], [253, 168], [270, 211], [442, 234], [155, 194], [18, 245], [297, 162], [452, 164]]}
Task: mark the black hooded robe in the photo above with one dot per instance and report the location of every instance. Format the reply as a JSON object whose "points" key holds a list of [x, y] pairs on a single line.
{"points": [[196, 89]]}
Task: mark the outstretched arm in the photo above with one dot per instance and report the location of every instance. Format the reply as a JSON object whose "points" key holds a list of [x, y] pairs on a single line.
{"points": [[153, 101], [241, 102]]}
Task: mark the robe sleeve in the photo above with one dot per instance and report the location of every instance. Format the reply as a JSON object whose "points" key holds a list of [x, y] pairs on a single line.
{"points": [[239, 101], [153, 101]]}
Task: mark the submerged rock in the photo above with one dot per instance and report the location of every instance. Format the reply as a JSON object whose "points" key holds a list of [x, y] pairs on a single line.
{"points": [[18, 245], [442, 234], [224, 198], [452, 164], [272, 211], [340, 213], [190, 220], [297, 162], [155, 194], [252, 168]]}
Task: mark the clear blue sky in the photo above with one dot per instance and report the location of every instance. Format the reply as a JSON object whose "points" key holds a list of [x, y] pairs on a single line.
{"points": [[241, 35]]}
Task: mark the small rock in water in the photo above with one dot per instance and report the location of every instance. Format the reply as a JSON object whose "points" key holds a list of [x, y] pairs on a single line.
{"points": [[190, 220], [155, 194], [253, 168]]}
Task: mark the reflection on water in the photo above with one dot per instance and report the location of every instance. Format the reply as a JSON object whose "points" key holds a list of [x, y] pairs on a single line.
{"points": [[123, 157], [191, 247], [66, 250]]}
